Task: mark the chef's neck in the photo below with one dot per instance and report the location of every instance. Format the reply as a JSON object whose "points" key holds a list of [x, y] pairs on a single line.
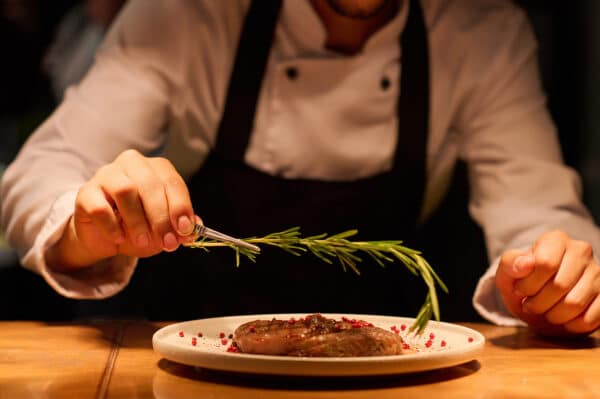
{"points": [[347, 34]]}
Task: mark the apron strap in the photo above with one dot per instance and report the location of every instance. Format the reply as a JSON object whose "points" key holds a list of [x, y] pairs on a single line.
{"points": [[410, 161], [237, 122]]}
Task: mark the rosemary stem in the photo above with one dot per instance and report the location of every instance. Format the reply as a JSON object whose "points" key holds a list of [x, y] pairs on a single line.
{"points": [[340, 247]]}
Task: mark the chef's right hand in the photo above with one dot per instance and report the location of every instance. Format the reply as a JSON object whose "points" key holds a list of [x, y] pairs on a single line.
{"points": [[136, 206]]}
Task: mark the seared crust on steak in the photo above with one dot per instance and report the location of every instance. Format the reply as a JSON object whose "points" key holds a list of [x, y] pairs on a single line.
{"points": [[316, 336]]}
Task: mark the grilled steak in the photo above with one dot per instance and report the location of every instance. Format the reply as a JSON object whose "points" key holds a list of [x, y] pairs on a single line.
{"points": [[316, 336]]}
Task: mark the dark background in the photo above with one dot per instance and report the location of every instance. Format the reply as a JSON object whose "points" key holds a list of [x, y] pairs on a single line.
{"points": [[569, 55]]}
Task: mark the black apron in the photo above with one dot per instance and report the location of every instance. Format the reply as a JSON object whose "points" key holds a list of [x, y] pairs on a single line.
{"points": [[235, 198]]}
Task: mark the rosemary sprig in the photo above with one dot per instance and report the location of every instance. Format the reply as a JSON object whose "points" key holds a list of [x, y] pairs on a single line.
{"points": [[341, 247]]}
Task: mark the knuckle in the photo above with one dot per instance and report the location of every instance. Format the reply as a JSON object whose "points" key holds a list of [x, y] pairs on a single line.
{"points": [[105, 171], [152, 187], [138, 227], [552, 234], [594, 271], [124, 189], [92, 209], [583, 248], [96, 211], [129, 154], [575, 302], [559, 234], [561, 286], [102, 170], [161, 223], [547, 263], [176, 182]]}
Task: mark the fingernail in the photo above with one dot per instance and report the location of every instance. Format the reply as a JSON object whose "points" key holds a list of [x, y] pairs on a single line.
{"points": [[184, 225], [518, 265], [142, 240], [522, 262], [170, 242]]}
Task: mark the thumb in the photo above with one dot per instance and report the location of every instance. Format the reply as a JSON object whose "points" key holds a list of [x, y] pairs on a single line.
{"points": [[514, 265], [521, 266]]}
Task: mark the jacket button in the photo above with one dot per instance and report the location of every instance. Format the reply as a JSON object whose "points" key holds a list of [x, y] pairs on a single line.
{"points": [[385, 83], [292, 73]]}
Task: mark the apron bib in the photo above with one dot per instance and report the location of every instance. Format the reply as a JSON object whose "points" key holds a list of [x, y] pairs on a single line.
{"points": [[234, 198]]}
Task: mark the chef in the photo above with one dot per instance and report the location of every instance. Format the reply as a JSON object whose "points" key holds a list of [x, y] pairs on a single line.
{"points": [[327, 114]]}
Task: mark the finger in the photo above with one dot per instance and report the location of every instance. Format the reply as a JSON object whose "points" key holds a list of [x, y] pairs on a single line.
{"points": [[510, 270], [588, 322], [124, 192], [514, 264], [178, 197], [93, 208], [152, 196], [578, 299], [574, 262], [548, 252]]}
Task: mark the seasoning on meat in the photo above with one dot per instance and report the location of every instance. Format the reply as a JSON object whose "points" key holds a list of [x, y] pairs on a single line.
{"points": [[316, 336]]}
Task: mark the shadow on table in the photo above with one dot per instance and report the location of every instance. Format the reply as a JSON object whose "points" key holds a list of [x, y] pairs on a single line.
{"points": [[526, 339], [309, 383]]}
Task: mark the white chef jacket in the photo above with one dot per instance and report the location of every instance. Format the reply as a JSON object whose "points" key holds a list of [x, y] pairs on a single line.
{"points": [[159, 84]]}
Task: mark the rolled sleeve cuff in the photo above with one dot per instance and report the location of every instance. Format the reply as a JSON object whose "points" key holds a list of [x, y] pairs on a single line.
{"points": [[102, 280], [488, 303]]}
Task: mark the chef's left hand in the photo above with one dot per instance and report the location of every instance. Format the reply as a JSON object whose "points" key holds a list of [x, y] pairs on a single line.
{"points": [[554, 286]]}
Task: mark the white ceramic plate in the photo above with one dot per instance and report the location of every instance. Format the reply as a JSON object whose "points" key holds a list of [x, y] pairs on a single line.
{"points": [[450, 345]]}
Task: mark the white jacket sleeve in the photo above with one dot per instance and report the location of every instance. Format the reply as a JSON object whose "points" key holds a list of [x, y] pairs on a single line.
{"points": [[122, 103], [520, 187]]}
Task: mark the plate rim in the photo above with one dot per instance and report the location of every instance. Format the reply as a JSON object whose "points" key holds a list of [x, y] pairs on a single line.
{"points": [[318, 366]]}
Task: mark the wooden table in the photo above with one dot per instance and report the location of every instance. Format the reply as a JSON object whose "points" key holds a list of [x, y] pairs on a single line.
{"points": [[114, 359]]}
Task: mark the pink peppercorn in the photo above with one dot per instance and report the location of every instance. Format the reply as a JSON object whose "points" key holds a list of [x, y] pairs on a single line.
{"points": [[443, 343], [221, 335], [181, 333], [224, 341], [470, 339]]}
